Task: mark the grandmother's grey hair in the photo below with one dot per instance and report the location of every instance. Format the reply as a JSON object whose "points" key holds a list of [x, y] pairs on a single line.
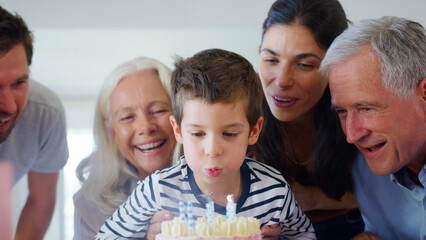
{"points": [[399, 45], [106, 175]]}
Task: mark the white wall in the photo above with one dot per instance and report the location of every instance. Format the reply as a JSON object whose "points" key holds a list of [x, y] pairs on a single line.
{"points": [[360, 9], [77, 43]]}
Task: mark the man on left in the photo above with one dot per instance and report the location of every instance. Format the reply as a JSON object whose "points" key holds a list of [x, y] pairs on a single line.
{"points": [[32, 127]]}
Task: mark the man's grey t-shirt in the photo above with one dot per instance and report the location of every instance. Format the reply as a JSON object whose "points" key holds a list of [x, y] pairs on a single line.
{"points": [[38, 141]]}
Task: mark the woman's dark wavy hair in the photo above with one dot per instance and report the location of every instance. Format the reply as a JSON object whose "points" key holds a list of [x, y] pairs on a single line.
{"points": [[332, 154]]}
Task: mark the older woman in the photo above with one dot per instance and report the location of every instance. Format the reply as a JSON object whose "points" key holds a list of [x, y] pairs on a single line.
{"points": [[133, 138], [302, 136]]}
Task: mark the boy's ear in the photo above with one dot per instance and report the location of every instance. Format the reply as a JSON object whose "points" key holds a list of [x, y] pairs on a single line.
{"points": [[254, 134], [176, 129]]}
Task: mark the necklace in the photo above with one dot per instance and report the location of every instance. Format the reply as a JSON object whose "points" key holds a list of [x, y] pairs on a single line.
{"points": [[300, 163]]}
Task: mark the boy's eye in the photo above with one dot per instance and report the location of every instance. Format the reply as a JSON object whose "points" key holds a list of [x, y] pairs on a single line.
{"points": [[197, 134], [230, 134]]}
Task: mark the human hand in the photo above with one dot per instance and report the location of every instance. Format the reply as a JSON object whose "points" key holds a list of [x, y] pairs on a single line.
{"points": [[367, 236], [155, 223], [270, 232]]}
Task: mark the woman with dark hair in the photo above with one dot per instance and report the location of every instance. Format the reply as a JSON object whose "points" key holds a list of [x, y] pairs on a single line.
{"points": [[301, 134]]}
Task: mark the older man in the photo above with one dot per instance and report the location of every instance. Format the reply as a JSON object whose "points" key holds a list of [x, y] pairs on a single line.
{"points": [[32, 127], [376, 73]]}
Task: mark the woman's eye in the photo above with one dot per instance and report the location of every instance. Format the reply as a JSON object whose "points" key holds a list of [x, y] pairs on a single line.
{"points": [[126, 118], [270, 60], [305, 66], [160, 111]]}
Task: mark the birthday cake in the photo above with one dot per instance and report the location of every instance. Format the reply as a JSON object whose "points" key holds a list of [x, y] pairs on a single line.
{"points": [[240, 228]]}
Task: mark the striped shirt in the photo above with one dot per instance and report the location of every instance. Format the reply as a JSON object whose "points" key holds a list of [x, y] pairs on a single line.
{"points": [[265, 196]]}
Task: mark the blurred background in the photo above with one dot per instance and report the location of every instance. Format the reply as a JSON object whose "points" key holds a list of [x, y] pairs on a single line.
{"points": [[77, 44]]}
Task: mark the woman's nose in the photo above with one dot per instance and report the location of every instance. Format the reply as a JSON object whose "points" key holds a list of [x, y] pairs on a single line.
{"points": [[284, 78], [145, 125]]}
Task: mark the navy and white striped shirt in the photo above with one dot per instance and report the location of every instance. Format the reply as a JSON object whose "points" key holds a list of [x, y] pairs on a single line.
{"points": [[265, 196]]}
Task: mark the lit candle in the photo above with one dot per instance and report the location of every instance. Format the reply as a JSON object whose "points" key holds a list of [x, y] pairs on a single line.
{"points": [[210, 211], [190, 217], [230, 209], [181, 211]]}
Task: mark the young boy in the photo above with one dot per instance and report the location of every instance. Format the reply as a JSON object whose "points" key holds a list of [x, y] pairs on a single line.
{"points": [[216, 98]]}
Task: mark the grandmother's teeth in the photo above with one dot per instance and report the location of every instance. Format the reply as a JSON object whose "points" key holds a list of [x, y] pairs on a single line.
{"points": [[150, 146]]}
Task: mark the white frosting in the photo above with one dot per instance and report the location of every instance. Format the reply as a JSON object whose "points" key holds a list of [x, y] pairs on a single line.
{"points": [[174, 228], [239, 227]]}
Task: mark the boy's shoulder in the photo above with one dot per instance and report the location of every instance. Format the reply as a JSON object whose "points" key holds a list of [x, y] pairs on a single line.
{"points": [[179, 167], [179, 171], [256, 164], [170, 179], [264, 171]]}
